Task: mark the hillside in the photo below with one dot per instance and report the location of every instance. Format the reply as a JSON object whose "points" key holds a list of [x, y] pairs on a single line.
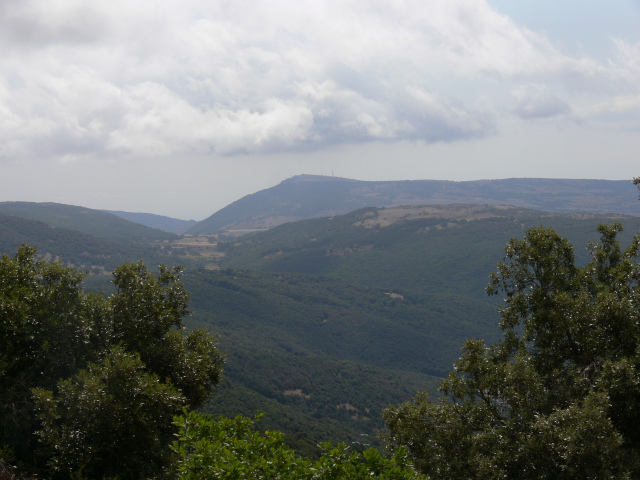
{"points": [[89, 253], [309, 349], [85, 220], [313, 314], [311, 196], [448, 248]]}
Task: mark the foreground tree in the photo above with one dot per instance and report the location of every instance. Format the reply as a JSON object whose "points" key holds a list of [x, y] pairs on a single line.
{"points": [[89, 385], [559, 396], [231, 448]]}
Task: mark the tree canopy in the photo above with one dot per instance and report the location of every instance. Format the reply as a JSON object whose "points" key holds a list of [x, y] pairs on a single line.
{"points": [[231, 448], [559, 395], [90, 385]]}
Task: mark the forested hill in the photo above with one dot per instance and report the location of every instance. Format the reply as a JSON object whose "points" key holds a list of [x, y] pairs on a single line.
{"points": [[97, 223], [92, 240], [311, 196], [326, 321], [81, 250], [417, 247]]}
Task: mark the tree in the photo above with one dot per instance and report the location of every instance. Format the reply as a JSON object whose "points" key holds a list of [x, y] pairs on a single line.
{"points": [[45, 333], [113, 419], [86, 380], [231, 448], [559, 395]]}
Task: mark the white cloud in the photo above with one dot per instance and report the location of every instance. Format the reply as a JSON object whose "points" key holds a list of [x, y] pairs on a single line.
{"points": [[628, 59], [149, 78], [535, 101]]}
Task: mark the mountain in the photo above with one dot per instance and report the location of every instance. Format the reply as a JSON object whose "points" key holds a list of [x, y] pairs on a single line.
{"points": [[326, 321], [160, 222], [85, 220], [312, 196], [419, 247], [81, 250]]}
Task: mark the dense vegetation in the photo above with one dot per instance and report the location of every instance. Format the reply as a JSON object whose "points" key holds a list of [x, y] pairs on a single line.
{"points": [[88, 252], [308, 349], [559, 395], [323, 355], [336, 318], [228, 448], [89, 385], [435, 254]]}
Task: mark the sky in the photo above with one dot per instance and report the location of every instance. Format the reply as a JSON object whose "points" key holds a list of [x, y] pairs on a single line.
{"points": [[180, 107]]}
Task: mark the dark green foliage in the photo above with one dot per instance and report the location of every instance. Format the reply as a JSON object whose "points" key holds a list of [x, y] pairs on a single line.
{"points": [[322, 355], [73, 247], [231, 448], [112, 419], [335, 336], [558, 396], [45, 335], [297, 313], [306, 350], [108, 374], [436, 254]]}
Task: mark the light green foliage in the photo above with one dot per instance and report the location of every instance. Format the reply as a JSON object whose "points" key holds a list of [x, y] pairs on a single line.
{"points": [[559, 395], [232, 449], [86, 379]]}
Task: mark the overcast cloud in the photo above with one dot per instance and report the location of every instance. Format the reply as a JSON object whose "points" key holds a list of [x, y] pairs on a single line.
{"points": [[91, 82]]}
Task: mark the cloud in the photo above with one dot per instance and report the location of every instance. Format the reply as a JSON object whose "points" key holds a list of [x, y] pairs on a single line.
{"points": [[535, 101], [166, 77], [628, 59], [158, 122]]}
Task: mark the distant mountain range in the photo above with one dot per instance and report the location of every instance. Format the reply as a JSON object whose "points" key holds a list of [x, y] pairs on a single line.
{"points": [[312, 196], [86, 220]]}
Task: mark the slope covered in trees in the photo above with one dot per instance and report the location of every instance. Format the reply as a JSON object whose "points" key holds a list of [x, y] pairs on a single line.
{"points": [[394, 301], [96, 223], [91, 387], [302, 345], [79, 249], [558, 396], [437, 249]]}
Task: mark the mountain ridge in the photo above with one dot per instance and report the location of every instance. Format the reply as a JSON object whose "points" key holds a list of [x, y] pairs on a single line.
{"points": [[97, 223], [314, 196]]}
